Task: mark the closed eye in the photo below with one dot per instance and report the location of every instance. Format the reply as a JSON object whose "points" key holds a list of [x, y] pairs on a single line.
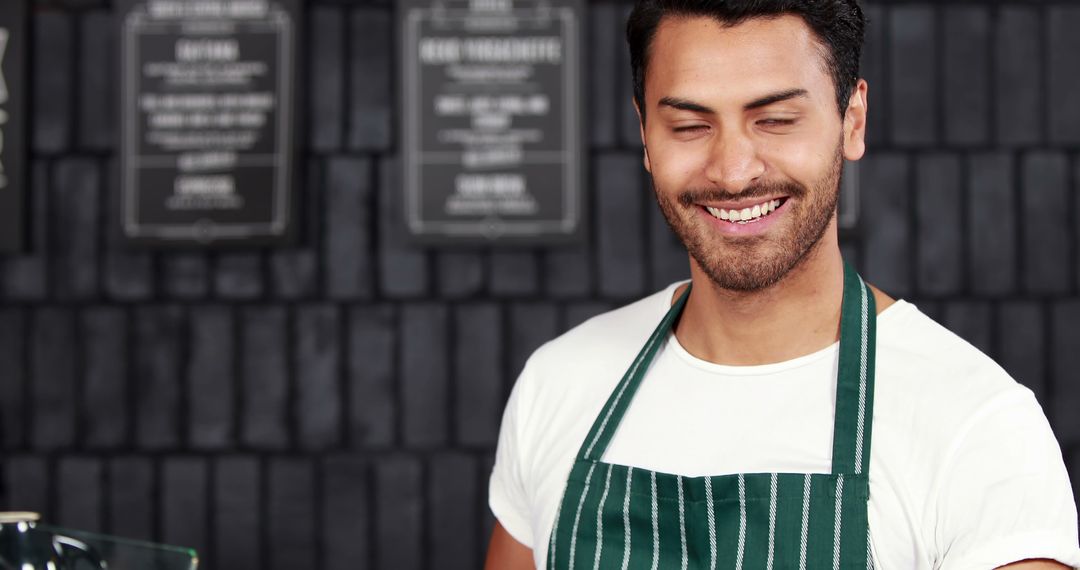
{"points": [[690, 129], [776, 122]]}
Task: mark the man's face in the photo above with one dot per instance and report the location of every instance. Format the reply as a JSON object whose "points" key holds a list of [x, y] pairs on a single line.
{"points": [[745, 144]]}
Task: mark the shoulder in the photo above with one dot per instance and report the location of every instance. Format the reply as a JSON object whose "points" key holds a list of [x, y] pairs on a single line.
{"points": [[936, 394], [602, 341], [919, 354], [571, 376]]}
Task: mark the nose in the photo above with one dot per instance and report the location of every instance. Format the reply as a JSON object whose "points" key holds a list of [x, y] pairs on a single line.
{"points": [[733, 161]]}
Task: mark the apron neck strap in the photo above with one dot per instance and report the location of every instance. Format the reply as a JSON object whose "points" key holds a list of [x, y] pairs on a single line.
{"points": [[605, 425], [854, 385], [855, 377]]}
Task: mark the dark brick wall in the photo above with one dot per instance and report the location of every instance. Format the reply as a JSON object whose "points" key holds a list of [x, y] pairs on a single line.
{"points": [[335, 404]]}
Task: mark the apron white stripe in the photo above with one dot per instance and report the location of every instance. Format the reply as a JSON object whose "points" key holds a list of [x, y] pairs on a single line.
{"points": [[626, 521], [742, 523], [682, 524], [862, 383], [555, 536], [611, 409], [772, 521], [836, 529], [712, 523], [655, 526], [805, 521], [869, 554], [600, 520], [577, 516]]}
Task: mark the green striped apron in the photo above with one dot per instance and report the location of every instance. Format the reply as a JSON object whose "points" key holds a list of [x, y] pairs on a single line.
{"points": [[618, 517]]}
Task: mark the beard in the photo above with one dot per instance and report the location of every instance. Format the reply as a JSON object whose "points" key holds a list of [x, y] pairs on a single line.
{"points": [[755, 263]]}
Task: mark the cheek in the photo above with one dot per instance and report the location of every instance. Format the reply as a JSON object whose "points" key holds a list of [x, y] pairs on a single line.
{"points": [[675, 165], [803, 161]]}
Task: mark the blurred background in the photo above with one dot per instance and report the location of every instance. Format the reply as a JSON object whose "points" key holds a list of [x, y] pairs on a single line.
{"points": [[335, 404]]}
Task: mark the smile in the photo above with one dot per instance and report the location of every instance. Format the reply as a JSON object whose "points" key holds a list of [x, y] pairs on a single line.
{"points": [[746, 215]]}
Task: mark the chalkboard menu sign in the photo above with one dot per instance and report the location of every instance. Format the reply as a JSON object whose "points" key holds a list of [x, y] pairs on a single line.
{"points": [[13, 32], [491, 125], [207, 117]]}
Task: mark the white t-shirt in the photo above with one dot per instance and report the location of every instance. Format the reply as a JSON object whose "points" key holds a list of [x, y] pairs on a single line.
{"points": [[965, 472]]}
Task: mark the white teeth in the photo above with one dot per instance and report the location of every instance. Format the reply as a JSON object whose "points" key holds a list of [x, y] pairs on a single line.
{"points": [[746, 214]]}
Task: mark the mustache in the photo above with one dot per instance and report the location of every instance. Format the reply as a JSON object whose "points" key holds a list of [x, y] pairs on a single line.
{"points": [[692, 196]]}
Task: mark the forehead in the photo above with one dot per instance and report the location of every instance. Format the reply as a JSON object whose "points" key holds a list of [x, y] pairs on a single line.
{"points": [[698, 58]]}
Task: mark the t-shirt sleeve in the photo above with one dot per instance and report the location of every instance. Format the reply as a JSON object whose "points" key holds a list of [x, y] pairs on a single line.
{"points": [[507, 489], [1004, 494]]}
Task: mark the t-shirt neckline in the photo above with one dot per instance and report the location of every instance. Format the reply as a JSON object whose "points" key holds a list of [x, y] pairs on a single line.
{"points": [[677, 348]]}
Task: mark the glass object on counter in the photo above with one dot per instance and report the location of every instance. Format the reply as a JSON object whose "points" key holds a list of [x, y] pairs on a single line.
{"points": [[27, 544]]}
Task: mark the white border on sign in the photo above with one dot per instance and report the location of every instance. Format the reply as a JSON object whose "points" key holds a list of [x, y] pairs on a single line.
{"points": [[414, 159], [131, 161]]}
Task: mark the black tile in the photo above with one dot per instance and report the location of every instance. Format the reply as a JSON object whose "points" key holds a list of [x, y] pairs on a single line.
{"points": [[105, 377], [1022, 341], [97, 73], [347, 514], [514, 273], [184, 503], [210, 373], [478, 379], [1065, 318], [264, 336], [1018, 77], [402, 266], [52, 81], [372, 385], [1046, 235], [76, 189], [291, 518], [78, 493], [452, 522], [13, 382], [913, 86], [53, 387], [132, 487], [885, 207], [424, 366], [347, 249], [236, 512], [318, 373], [326, 66], [966, 87], [1063, 59], [991, 236], [371, 106], [619, 225], [939, 233], [399, 508], [158, 373], [238, 276]]}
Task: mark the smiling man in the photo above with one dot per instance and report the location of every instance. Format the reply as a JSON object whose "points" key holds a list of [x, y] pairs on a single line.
{"points": [[776, 411]]}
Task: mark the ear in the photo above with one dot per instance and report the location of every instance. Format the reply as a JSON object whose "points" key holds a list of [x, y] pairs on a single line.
{"points": [[855, 122], [641, 131]]}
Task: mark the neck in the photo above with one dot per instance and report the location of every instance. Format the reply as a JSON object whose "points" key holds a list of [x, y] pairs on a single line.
{"points": [[797, 316]]}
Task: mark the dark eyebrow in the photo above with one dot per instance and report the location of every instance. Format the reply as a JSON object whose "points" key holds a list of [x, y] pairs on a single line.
{"points": [[776, 98], [685, 105]]}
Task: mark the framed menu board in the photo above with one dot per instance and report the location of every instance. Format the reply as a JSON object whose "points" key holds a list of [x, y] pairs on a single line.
{"points": [[491, 120], [207, 120], [13, 31]]}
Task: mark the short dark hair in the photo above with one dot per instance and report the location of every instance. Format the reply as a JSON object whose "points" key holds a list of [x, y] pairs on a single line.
{"points": [[838, 24]]}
